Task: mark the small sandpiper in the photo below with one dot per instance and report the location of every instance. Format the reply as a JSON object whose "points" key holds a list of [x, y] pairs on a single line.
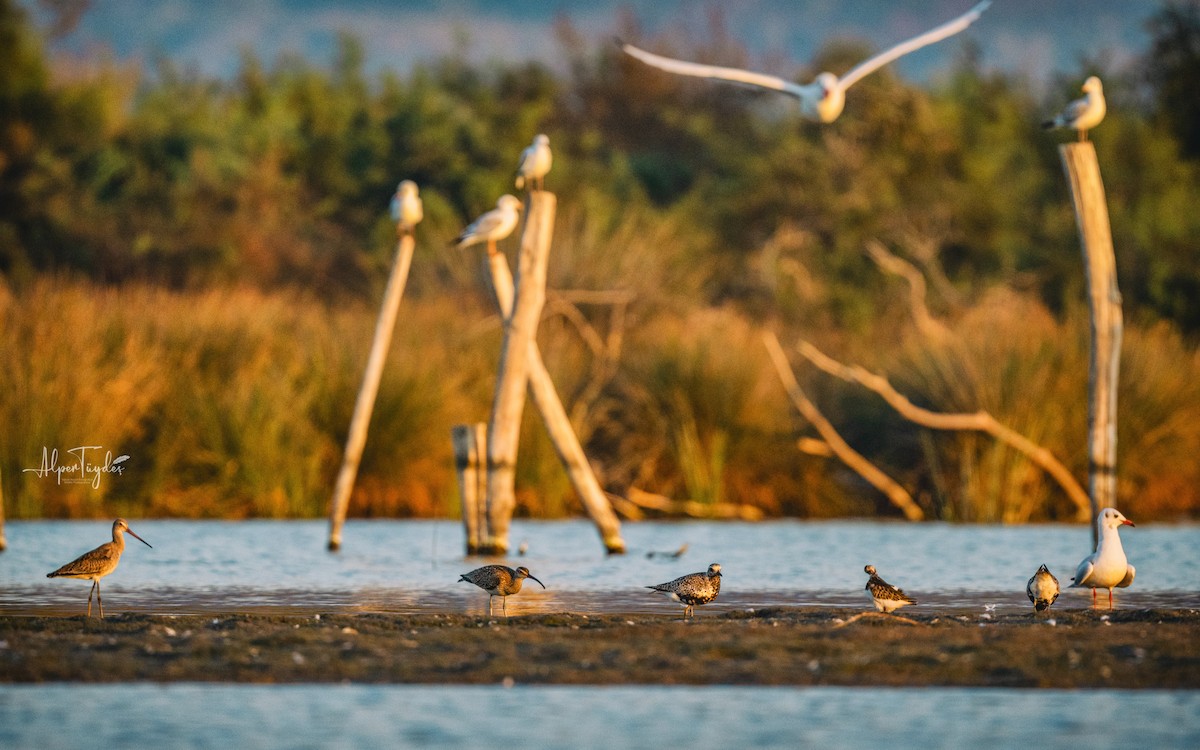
{"points": [[1042, 589], [886, 597], [693, 589], [499, 580]]}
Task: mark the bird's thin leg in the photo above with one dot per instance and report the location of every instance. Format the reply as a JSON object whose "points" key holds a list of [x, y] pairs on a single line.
{"points": [[99, 599], [1093, 596], [504, 605], [90, 592], [1110, 599], [489, 605]]}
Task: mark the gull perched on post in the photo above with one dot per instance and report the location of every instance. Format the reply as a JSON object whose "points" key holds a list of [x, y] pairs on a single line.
{"points": [[824, 98], [406, 208], [1084, 113], [1107, 567], [492, 226], [535, 164]]}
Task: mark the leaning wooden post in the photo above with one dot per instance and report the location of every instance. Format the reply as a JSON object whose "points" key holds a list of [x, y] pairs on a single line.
{"points": [[470, 455], [369, 389], [3, 541], [504, 426], [1095, 235], [558, 424]]}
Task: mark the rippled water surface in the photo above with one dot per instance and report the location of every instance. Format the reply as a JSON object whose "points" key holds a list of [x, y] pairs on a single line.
{"points": [[413, 566], [48, 717]]}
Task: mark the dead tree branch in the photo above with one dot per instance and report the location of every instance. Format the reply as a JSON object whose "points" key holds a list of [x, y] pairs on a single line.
{"points": [[852, 458], [980, 421]]}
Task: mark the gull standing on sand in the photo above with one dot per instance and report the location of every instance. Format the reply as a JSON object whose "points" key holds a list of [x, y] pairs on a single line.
{"points": [[692, 589], [99, 562], [1107, 567], [535, 164], [493, 226], [824, 98], [406, 207], [887, 598], [499, 580], [1042, 589], [1082, 114]]}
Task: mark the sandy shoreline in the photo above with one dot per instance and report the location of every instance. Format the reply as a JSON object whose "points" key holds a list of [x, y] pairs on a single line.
{"points": [[1151, 648]]}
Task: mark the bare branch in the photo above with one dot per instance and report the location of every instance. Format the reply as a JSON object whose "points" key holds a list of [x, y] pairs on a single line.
{"points": [[893, 264], [980, 421], [852, 458]]}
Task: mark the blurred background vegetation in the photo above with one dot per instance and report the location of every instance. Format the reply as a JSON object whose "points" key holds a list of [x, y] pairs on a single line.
{"points": [[190, 269]]}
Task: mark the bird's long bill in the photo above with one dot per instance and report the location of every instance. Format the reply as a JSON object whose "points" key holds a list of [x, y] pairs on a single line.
{"points": [[534, 579], [135, 536]]}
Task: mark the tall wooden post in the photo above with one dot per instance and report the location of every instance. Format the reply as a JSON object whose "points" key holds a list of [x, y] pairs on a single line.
{"points": [[1095, 235], [470, 455], [558, 424], [504, 426], [3, 541], [369, 389]]}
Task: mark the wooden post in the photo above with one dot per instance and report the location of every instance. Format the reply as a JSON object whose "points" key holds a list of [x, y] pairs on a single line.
{"points": [[3, 541], [504, 426], [1095, 236], [369, 389], [558, 424], [470, 453]]}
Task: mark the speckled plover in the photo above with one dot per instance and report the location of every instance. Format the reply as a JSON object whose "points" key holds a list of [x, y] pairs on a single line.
{"points": [[693, 589], [1042, 589], [885, 596]]}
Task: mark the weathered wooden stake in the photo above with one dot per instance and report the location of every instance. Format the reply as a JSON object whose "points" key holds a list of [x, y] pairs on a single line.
{"points": [[558, 424], [1095, 236], [504, 426], [470, 455], [3, 541], [369, 389]]}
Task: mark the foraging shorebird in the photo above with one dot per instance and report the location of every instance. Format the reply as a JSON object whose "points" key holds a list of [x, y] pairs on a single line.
{"points": [[1082, 114], [1042, 589], [99, 562], [886, 597], [492, 226], [406, 207], [825, 97], [535, 164], [1107, 567], [693, 589], [499, 580]]}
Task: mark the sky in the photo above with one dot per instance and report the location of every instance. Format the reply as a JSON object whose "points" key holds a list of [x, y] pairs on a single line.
{"points": [[1036, 39]]}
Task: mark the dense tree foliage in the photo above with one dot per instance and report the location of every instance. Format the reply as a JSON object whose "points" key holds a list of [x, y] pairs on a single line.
{"points": [[716, 207]]}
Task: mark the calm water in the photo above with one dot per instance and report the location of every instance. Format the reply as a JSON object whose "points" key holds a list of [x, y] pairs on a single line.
{"points": [[249, 716], [413, 566]]}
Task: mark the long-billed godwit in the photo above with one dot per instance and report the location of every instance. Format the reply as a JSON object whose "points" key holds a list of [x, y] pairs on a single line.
{"points": [[693, 589], [1107, 566], [499, 580], [99, 562], [887, 598]]}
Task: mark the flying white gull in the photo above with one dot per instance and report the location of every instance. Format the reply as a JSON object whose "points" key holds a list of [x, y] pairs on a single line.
{"points": [[824, 98], [492, 226], [535, 164], [1107, 566], [406, 208], [1082, 114]]}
